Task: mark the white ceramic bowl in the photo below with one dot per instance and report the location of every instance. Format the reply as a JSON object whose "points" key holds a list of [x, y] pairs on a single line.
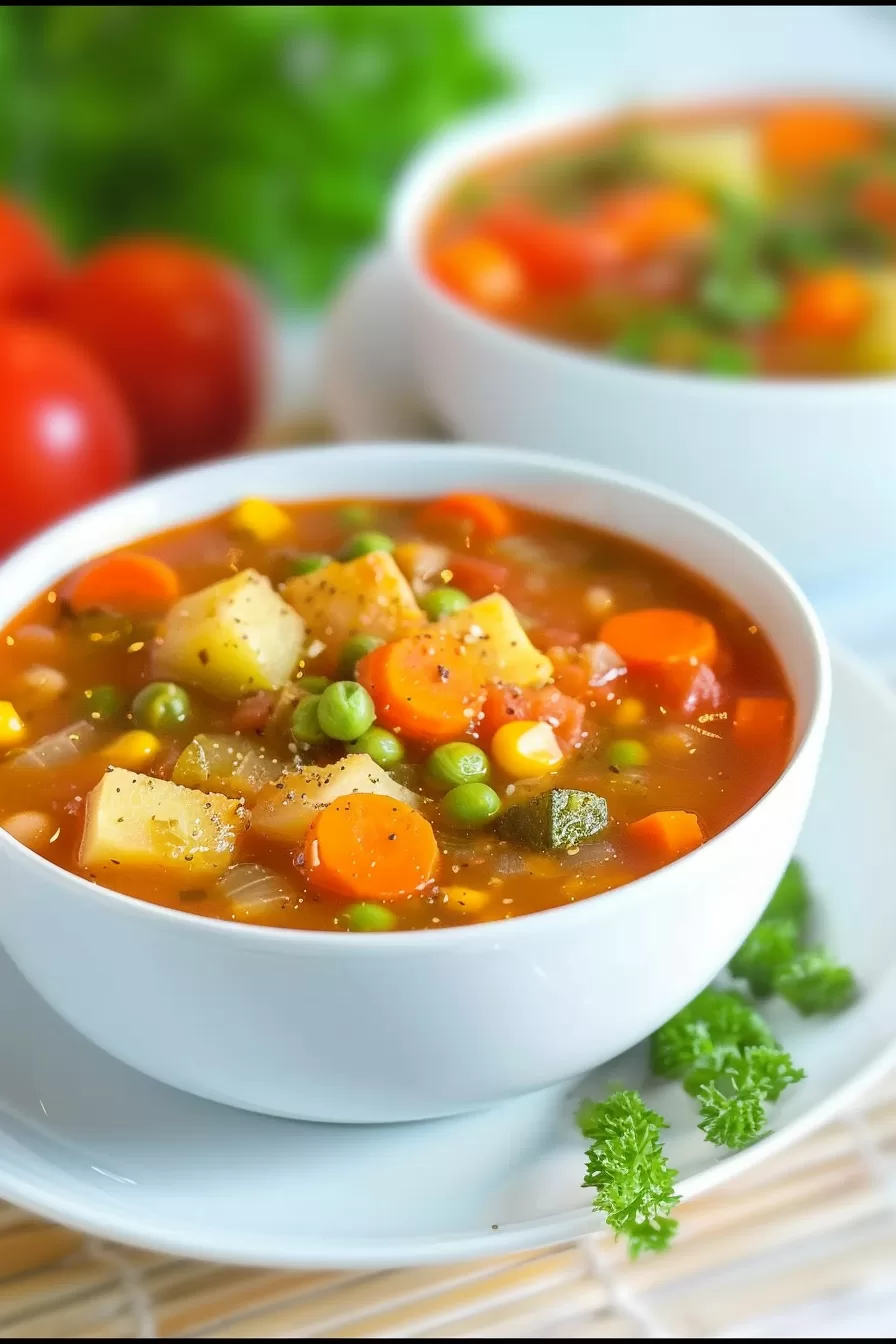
{"points": [[808, 467], [409, 1025]]}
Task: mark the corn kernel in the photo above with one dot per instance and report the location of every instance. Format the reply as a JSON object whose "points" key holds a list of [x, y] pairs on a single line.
{"points": [[525, 749], [464, 900], [132, 749], [675, 742], [12, 729], [629, 713], [261, 519]]}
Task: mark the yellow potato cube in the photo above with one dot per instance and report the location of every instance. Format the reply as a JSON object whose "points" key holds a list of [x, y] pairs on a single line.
{"points": [[367, 596], [491, 630], [139, 822]]}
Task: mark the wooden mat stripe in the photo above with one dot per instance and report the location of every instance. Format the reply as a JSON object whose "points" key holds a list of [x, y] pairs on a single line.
{"points": [[817, 1219]]}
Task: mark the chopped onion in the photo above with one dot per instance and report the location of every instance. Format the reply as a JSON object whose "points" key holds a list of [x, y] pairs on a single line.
{"points": [[587, 856], [57, 749], [253, 891], [39, 686], [603, 663]]}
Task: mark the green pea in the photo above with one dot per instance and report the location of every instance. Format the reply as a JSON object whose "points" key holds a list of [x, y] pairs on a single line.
{"points": [[354, 650], [367, 918], [356, 516], [307, 564], [458, 763], [471, 805], [305, 723], [102, 702], [345, 711], [363, 543], [727, 359], [161, 705], [439, 602], [381, 746], [626, 753], [314, 685]]}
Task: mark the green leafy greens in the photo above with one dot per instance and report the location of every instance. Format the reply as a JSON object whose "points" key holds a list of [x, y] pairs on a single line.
{"points": [[724, 1054], [269, 132]]}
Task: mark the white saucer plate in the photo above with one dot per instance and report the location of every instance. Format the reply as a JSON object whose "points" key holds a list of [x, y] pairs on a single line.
{"points": [[88, 1142]]}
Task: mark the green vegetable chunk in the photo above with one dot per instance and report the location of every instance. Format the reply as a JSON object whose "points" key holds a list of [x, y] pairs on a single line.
{"points": [[458, 763], [161, 705], [354, 650], [307, 564], [471, 805], [368, 918], [741, 298], [556, 819], [633, 1183], [383, 747], [305, 722], [364, 543], [439, 602], [356, 516], [345, 711], [102, 702]]}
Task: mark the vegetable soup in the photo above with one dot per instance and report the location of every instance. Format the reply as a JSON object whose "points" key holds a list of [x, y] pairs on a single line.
{"points": [[755, 240], [388, 715]]}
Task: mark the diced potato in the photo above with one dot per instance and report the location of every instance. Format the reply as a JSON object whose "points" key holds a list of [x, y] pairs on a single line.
{"points": [[874, 350], [230, 639], [226, 763], [285, 809], [715, 158], [492, 631], [368, 596], [137, 821]]}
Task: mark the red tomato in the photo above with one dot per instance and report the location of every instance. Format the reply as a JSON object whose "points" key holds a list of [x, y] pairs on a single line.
{"points": [[182, 334], [31, 267], [66, 436]]}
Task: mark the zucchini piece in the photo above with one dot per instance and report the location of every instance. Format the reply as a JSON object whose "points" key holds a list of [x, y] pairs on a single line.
{"points": [[555, 819]]}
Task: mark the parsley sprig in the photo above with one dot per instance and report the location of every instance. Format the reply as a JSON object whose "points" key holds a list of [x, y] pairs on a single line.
{"points": [[725, 1055]]}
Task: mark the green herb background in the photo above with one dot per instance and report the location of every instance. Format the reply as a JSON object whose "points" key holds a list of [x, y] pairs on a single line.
{"points": [[271, 133]]}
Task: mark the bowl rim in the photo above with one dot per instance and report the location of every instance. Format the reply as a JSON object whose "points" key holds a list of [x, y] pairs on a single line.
{"points": [[37, 555], [509, 125]]}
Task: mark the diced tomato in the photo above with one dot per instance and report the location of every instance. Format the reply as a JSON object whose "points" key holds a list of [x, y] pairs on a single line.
{"points": [[564, 713], [475, 577], [704, 694], [876, 201], [251, 715], [503, 704], [557, 255]]}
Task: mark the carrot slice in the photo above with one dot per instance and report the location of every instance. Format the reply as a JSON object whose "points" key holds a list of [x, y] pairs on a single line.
{"points": [[660, 637], [126, 582], [805, 137], [369, 847], [480, 271], [832, 304], [761, 721], [425, 686], [668, 834], [638, 222], [479, 513]]}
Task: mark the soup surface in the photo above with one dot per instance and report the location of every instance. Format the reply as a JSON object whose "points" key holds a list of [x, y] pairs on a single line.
{"points": [[749, 240], [472, 712]]}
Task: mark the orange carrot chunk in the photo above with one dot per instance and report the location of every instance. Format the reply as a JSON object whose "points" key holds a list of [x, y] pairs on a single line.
{"points": [[480, 271], [425, 686], [639, 222], [369, 847], [128, 583], [806, 137], [829, 305], [660, 638], [478, 513], [761, 721], [668, 834]]}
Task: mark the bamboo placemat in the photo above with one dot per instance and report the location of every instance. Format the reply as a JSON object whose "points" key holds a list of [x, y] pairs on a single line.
{"points": [[815, 1225]]}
